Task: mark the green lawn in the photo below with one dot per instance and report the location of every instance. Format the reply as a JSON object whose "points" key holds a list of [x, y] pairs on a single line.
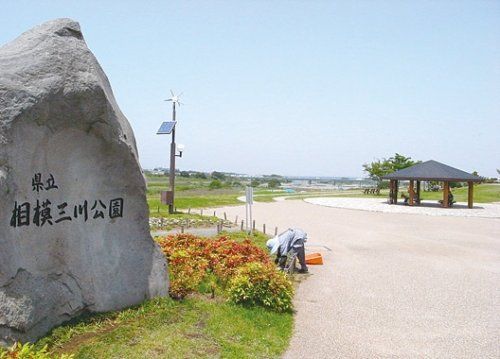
{"points": [[185, 202], [194, 193], [257, 237], [483, 193], [202, 197], [190, 193], [163, 328], [347, 193]]}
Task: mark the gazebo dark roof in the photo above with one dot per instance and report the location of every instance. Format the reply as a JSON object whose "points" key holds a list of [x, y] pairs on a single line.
{"points": [[432, 171]]}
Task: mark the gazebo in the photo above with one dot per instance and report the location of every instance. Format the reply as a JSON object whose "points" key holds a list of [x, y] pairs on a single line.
{"points": [[429, 171]]}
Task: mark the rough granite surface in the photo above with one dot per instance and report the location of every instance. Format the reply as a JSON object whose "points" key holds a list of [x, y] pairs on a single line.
{"points": [[74, 232]]}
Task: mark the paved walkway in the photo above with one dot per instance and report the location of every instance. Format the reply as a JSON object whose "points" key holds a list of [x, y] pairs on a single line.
{"points": [[394, 285]]}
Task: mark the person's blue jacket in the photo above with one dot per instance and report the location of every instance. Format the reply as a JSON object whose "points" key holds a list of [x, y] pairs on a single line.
{"points": [[285, 241]]}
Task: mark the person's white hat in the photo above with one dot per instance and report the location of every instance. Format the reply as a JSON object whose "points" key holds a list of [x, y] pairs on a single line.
{"points": [[273, 244]]}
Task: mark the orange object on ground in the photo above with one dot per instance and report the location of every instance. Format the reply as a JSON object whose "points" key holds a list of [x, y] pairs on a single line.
{"points": [[314, 258]]}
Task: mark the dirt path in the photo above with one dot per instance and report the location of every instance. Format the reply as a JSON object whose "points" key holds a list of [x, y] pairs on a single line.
{"points": [[394, 285]]}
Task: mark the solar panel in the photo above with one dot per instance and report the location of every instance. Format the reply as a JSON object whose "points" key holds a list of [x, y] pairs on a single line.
{"points": [[166, 128]]}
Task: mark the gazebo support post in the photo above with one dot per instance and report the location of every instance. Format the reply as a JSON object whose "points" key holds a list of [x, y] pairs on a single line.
{"points": [[418, 192], [391, 191], [411, 193], [396, 187], [470, 198], [446, 192]]}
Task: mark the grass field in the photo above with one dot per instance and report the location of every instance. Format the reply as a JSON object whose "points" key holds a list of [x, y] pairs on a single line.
{"points": [[257, 237], [197, 327], [214, 199], [483, 193], [190, 193], [195, 193]]}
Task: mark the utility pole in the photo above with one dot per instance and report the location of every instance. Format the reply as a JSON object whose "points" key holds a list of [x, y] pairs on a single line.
{"points": [[167, 128], [172, 164]]}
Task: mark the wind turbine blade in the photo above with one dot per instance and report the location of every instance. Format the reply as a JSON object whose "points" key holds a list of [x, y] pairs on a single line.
{"points": [[172, 93]]}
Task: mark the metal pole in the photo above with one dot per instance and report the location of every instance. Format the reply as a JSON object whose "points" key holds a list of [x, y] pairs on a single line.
{"points": [[250, 212], [172, 164], [246, 214]]}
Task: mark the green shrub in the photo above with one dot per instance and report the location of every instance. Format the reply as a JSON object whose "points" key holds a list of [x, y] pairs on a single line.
{"points": [[383, 185], [261, 284], [218, 175], [255, 183], [274, 183], [28, 351], [215, 184]]}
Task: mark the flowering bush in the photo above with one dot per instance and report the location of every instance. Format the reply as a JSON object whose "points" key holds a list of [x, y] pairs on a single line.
{"points": [[242, 266], [261, 284]]}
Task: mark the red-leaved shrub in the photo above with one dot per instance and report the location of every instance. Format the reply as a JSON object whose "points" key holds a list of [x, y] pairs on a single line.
{"points": [[191, 259]]}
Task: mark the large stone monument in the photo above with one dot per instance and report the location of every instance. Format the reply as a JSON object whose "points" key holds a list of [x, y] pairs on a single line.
{"points": [[74, 232]]}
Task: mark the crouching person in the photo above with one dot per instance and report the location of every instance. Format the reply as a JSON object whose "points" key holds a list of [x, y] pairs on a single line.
{"points": [[292, 240]]}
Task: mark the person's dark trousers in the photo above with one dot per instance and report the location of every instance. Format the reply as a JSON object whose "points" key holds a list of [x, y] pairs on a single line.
{"points": [[301, 255], [282, 261]]}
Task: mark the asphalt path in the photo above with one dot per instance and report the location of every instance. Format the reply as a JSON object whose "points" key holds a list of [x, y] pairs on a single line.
{"points": [[393, 285]]}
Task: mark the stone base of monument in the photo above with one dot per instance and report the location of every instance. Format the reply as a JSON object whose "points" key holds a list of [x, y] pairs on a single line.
{"points": [[74, 232]]}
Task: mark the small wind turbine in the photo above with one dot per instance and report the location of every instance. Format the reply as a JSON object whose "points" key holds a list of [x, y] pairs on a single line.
{"points": [[175, 99]]}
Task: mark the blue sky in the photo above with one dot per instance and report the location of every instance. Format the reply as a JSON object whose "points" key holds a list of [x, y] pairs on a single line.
{"points": [[297, 87]]}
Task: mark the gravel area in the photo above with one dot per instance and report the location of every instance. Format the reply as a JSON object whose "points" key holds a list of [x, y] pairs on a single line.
{"points": [[202, 231], [430, 208], [393, 285]]}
